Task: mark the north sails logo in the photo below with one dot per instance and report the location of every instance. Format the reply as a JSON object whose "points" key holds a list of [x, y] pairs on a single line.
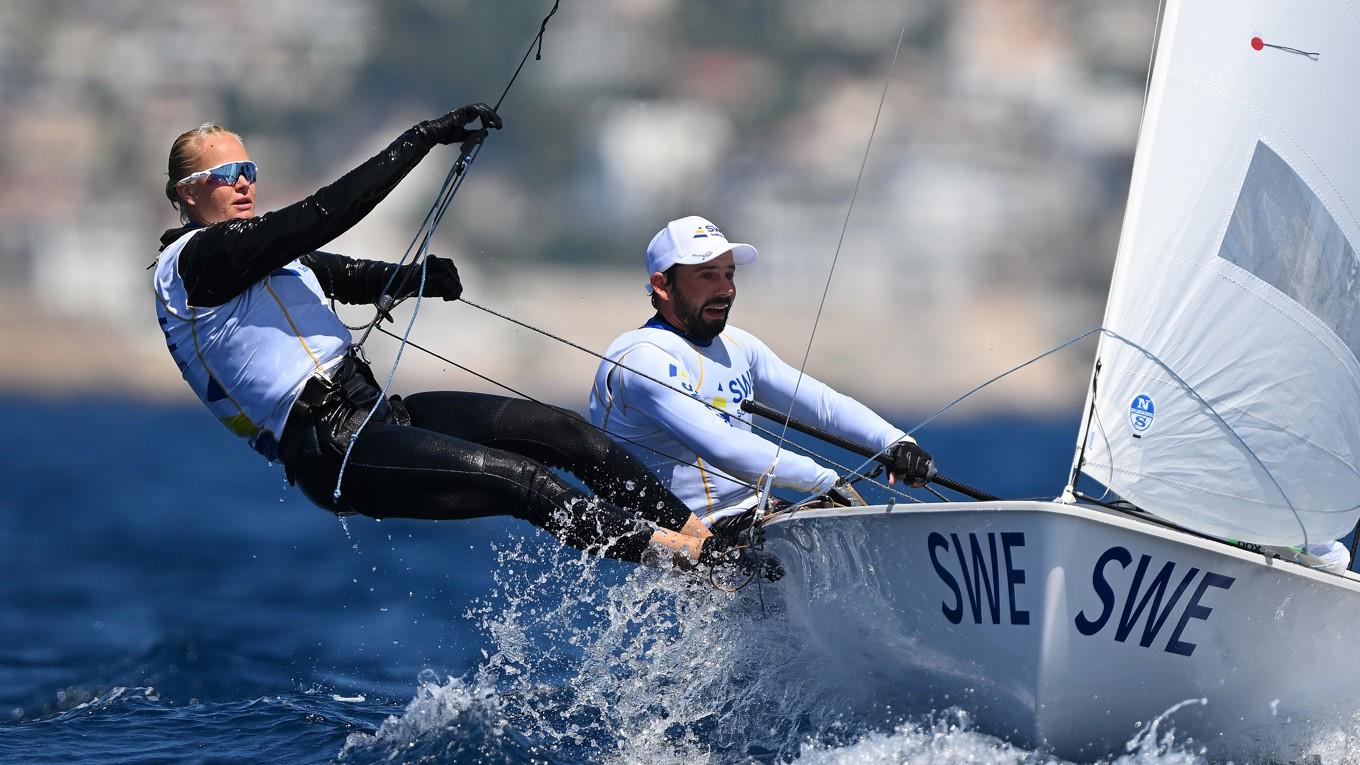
{"points": [[1141, 413]]}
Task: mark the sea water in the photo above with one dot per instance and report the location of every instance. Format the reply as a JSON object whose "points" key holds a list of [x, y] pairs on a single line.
{"points": [[168, 598]]}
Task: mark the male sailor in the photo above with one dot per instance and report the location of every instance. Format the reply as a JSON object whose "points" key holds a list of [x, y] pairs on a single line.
{"points": [[671, 390]]}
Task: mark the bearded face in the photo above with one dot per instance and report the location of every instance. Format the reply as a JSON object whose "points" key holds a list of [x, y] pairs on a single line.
{"points": [[698, 298], [701, 318]]}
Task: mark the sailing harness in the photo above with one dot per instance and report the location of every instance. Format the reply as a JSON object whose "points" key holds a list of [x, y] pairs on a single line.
{"points": [[344, 402]]}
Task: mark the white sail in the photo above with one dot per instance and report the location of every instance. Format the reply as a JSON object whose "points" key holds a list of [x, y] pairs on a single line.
{"points": [[1228, 388]]}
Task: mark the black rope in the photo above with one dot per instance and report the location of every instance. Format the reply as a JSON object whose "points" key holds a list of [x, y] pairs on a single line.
{"points": [[538, 39], [444, 198]]}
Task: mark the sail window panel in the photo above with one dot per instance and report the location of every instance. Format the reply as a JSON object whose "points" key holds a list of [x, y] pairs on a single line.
{"points": [[1281, 232]]}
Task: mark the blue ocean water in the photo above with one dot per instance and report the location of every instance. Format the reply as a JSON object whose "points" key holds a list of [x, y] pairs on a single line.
{"points": [[168, 598]]}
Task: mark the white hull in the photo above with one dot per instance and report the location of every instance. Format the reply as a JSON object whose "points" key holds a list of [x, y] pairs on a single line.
{"points": [[1058, 656]]}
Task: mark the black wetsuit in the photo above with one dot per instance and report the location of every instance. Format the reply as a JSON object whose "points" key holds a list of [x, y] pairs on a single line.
{"points": [[438, 455]]}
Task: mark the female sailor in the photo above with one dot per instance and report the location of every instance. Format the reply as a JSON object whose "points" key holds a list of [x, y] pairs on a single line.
{"points": [[242, 300]]}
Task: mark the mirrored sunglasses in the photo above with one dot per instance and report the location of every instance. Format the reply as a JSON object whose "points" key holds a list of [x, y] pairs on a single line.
{"points": [[224, 174]]}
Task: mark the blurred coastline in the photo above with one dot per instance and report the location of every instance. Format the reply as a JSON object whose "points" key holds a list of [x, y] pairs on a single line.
{"points": [[983, 231]]}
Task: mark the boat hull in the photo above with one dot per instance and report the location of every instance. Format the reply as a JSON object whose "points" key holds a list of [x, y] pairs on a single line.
{"points": [[1068, 628]]}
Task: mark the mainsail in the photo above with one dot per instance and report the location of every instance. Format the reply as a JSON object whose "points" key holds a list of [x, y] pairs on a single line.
{"points": [[1227, 389]]}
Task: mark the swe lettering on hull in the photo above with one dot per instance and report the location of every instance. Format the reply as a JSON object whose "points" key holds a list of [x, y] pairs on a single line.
{"points": [[1144, 602], [982, 577], [981, 573]]}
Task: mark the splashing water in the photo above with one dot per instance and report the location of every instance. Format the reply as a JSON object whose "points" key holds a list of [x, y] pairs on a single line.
{"points": [[1148, 747], [447, 721], [944, 740], [614, 664], [595, 661]]}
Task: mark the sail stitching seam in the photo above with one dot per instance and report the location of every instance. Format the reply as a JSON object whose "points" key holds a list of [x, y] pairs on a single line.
{"points": [[1249, 107], [1322, 340], [1320, 447]]}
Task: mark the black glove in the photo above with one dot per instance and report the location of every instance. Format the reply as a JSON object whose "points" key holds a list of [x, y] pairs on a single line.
{"points": [[441, 279], [910, 463], [721, 552], [453, 127]]}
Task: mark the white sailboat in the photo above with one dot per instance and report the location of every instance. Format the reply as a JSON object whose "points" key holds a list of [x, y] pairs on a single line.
{"points": [[1225, 405]]}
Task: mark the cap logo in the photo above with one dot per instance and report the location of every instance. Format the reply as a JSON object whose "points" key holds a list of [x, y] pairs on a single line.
{"points": [[703, 232]]}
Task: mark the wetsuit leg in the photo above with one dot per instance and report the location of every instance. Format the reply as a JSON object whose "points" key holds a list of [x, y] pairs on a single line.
{"points": [[398, 471], [556, 437]]}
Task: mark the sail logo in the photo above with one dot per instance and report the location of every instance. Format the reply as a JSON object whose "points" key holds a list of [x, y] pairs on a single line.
{"points": [[1141, 413]]}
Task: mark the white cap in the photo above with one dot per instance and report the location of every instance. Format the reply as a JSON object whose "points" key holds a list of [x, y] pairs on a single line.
{"points": [[690, 241]]}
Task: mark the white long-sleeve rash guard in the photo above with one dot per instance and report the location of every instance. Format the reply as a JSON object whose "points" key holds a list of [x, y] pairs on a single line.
{"points": [[707, 455]]}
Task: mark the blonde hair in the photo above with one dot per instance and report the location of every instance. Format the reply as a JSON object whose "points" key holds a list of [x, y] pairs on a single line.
{"points": [[183, 156]]}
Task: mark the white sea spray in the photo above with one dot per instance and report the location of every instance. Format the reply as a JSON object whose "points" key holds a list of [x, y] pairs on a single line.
{"points": [[650, 664], [446, 718], [595, 661], [947, 739]]}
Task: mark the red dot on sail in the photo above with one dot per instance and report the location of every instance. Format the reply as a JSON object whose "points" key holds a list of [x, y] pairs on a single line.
{"points": [[1258, 43]]}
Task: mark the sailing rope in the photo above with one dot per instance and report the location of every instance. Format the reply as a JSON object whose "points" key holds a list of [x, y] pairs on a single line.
{"points": [[826, 288], [1007, 373], [858, 472], [452, 183]]}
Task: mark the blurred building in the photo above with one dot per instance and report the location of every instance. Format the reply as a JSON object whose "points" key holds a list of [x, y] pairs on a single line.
{"points": [[982, 232]]}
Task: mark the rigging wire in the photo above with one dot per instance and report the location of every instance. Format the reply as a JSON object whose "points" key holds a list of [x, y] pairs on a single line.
{"points": [[826, 289], [1007, 373], [452, 183], [978, 389], [851, 471], [1152, 56], [620, 365]]}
